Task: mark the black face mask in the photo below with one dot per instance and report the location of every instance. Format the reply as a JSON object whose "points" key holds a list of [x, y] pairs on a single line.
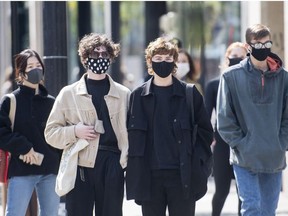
{"points": [[35, 75], [99, 65], [163, 69], [234, 61], [260, 54]]}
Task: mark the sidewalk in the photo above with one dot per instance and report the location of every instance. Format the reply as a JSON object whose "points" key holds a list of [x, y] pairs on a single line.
{"points": [[204, 208]]}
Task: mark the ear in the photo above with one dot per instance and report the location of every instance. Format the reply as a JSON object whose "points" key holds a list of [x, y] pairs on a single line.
{"points": [[248, 47]]}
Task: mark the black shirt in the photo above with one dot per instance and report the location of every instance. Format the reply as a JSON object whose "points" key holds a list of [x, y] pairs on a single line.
{"points": [[165, 153], [98, 89]]}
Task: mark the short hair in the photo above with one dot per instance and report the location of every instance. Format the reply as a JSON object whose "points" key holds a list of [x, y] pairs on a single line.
{"points": [[21, 63], [161, 46], [90, 41], [257, 31]]}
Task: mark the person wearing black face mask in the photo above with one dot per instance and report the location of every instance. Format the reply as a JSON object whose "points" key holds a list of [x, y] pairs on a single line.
{"points": [[91, 113], [160, 171], [222, 170], [26, 141], [252, 115]]}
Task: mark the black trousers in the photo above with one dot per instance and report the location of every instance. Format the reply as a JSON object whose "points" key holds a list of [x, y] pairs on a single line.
{"points": [[167, 192], [101, 186], [223, 175]]}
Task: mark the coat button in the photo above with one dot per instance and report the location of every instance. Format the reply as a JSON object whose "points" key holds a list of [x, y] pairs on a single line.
{"points": [[175, 120], [132, 125], [179, 141], [182, 164]]}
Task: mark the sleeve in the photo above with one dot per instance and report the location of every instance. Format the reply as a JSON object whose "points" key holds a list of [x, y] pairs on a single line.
{"points": [[9, 140], [57, 132], [227, 123]]}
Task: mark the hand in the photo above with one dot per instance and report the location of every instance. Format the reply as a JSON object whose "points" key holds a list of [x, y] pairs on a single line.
{"points": [[30, 157], [85, 132]]}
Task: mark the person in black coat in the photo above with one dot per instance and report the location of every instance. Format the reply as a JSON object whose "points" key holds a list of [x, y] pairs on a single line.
{"points": [[222, 170], [26, 141], [163, 163]]}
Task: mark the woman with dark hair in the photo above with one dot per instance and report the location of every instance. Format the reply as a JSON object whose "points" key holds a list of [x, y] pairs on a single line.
{"points": [[186, 70], [33, 164]]}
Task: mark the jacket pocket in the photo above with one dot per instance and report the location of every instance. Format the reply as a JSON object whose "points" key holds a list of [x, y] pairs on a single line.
{"points": [[137, 132]]}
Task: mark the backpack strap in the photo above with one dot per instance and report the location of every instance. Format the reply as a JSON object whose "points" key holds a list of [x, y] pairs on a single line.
{"points": [[12, 109], [189, 99], [190, 103]]}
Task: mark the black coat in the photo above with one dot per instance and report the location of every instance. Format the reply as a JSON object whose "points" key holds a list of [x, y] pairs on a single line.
{"points": [[140, 129], [31, 115]]}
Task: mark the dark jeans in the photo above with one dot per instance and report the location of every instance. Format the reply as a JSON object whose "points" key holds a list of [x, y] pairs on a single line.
{"points": [[166, 190], [102, 186]]}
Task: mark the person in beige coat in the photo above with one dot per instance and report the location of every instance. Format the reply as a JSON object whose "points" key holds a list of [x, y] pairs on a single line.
{"points": [[93, 110]]}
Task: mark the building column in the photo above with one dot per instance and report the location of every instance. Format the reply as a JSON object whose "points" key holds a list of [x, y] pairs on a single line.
{"points": [[5, 40], [55, 46], [35, 26]]}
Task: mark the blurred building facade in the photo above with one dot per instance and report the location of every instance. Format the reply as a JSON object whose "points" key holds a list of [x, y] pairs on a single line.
{"points": [[205, 29]]}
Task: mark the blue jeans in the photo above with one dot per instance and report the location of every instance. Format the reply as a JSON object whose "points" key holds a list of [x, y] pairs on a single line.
{"points": [[259, 192], [20, 189]]}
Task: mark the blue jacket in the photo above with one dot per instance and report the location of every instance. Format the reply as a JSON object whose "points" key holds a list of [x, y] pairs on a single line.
{"points": [[252, 115]]}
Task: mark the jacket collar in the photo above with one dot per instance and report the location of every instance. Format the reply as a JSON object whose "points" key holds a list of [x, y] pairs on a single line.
{"points": [[30, 91], [272, 57], [178, 89], [81, 88]]}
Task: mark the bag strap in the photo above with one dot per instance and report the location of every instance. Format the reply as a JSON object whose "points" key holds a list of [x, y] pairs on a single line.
{"points": [[189, 99], [12, 109], [190, 103]]}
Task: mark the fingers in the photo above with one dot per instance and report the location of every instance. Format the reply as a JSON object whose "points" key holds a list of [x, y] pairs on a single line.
{"points": [[30, 158], [85, 132]]}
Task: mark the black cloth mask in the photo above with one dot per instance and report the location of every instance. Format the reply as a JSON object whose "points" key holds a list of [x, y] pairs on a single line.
{"points": [[163, 69], [35, 75], [234, 61], [260, 54], [99, 65]]}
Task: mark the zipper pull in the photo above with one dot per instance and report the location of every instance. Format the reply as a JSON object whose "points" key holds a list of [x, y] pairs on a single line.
{"points": [[262, 80]]}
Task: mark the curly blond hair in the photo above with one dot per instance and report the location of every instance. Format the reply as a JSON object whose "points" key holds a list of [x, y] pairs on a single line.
{"points": [[90, 41]]}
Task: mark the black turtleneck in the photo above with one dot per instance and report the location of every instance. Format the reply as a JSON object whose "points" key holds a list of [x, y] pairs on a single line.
{"points": [[31, 115], [98, 89]]}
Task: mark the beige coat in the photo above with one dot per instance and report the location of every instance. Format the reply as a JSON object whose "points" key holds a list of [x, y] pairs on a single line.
{"points": [[74, 105]]}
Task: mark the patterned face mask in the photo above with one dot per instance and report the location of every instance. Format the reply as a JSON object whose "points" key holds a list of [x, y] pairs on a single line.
{"points": [[99, 65]]}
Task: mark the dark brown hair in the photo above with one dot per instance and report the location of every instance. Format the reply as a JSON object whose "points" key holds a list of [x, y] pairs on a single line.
{"points": [[257, 31], [21, 63], [90, 41], [192, 70]]}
